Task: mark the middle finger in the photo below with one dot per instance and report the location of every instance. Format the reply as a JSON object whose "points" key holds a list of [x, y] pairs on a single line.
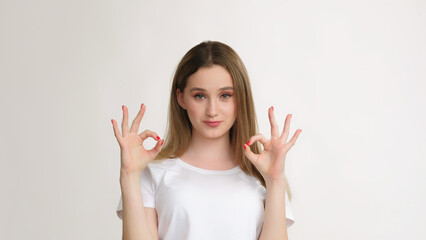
{"points": [[274, 126], [137, 121]]}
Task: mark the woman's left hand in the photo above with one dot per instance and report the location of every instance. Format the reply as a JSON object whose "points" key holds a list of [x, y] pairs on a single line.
{"points": [[271, 161]]}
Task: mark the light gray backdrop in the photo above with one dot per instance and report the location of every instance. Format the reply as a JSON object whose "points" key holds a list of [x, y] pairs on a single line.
{"points": [[352, 73]]}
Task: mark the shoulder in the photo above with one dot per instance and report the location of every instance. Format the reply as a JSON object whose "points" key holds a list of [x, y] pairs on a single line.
{"points": [[157, 169], [163, 165], [252, 180]]}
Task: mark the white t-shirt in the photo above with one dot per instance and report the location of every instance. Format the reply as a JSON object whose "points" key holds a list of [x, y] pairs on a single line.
{"points": [[194, 203]]}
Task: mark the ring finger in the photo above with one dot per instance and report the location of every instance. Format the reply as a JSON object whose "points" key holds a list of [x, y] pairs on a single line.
{"points": [[125, 123]]}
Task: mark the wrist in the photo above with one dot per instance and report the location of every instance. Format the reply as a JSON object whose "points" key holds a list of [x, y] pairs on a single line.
{"points": [[279, 182], [125, 176]]}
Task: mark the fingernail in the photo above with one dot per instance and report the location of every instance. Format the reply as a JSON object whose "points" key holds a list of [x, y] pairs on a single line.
{"points": [[248, 143], [141, 105], [244, 146], [158, 138], [112, 121], [161, 143], [272, 108]]}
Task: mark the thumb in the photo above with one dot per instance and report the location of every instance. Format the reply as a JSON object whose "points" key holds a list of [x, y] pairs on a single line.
{"points": [[155, 150], [250, 155]]}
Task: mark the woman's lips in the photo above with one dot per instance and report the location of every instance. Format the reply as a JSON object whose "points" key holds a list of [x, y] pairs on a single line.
{"points": [[212, 124]]}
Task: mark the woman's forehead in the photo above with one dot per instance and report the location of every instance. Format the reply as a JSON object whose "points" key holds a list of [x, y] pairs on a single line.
{"points": [[214, 78]]}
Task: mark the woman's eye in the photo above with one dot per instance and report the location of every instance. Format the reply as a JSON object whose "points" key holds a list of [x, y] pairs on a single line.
{"points": [[197, 96], [226, 95], [201, 96]]}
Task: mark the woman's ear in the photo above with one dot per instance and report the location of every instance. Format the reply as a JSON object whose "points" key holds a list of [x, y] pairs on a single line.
{"points": [[180, 100]]}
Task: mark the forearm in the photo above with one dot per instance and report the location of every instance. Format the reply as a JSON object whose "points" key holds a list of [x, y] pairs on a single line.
{"points": [[274, 220], [135, 223]]}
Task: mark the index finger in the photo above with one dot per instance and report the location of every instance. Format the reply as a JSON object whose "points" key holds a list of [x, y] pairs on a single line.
{"points": [[137, 121]]}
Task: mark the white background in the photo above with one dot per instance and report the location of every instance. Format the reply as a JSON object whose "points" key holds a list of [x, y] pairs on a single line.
{"points": [[352, 73]]}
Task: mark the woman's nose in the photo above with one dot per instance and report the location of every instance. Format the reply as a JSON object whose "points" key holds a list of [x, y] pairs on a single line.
{"points": [[211, 110]]}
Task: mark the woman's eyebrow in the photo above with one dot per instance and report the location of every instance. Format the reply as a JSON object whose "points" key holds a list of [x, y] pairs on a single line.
{"points": [[203, 90]]}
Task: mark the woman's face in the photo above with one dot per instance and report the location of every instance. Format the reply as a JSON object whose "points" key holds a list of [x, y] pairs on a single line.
{"points": [[209, 101]]}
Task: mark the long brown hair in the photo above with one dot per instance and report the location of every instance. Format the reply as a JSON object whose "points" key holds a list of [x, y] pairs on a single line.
{"points": [[179, 127]]}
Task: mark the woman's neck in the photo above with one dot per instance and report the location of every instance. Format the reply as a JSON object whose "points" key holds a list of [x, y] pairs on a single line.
{"points": [[210, 153]]}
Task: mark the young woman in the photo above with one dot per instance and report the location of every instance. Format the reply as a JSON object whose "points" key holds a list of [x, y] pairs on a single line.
{"points": [[203, 181]]}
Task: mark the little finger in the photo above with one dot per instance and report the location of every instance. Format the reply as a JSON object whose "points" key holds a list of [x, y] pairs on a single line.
{"points": [[294, 138], [116, 131]]}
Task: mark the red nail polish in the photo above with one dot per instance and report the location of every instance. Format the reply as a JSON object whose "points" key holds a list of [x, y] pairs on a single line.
{"points": [[158, 138], [161, 143], [244, 146], [248, 143]]}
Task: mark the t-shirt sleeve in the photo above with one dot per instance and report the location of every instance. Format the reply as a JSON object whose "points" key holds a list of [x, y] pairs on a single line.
{"points": [[290, 220], [147, 188]]}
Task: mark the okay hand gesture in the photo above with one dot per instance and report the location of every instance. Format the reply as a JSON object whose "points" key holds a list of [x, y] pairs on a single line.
{"points": [[134, 157], [271, 161]]}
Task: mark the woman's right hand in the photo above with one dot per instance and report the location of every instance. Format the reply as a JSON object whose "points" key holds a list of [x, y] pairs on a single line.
{"points": [[134, 157]]}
